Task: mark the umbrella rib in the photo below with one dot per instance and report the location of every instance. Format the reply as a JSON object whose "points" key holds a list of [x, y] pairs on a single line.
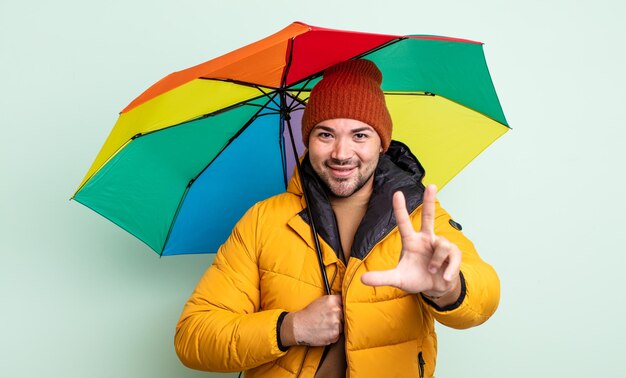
{"points": [[410, 93], [190, 183], [248, 84], [271, 99], [294, 97], [180, 205], [207, 115], [237, 134], [274, 110], [283, 79], [431, 94], [217, 112], [384, 45], [299, 101], [238, 82]]}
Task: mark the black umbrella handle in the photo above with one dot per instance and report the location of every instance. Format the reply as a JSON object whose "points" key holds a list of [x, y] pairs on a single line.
{"points": [[287, 118]]}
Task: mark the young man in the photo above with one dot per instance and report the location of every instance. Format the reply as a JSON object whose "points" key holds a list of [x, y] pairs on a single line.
{"points": [[261, 306]]}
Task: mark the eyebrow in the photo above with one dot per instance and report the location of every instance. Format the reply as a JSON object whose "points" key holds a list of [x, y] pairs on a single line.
{"points": [[361, 129], [357, 130]]}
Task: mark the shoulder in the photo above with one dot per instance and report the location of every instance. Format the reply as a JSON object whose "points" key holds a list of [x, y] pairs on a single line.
{"points": [[281, 206]]}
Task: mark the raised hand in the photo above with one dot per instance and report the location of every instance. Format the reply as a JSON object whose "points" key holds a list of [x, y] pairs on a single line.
{"points": [[318, 324], [429, 264]]}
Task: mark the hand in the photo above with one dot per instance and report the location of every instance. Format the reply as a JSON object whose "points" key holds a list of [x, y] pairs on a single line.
{"points": [[429, 264], [318, 324]]}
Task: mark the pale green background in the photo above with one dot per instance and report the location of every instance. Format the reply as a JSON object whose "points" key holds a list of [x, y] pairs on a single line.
{"points": [[81, 298]]}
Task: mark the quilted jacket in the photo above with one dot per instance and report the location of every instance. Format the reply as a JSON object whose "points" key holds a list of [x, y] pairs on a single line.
{"points": [[268, 266]]}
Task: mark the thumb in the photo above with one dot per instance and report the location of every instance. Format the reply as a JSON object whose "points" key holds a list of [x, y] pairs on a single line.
{"points": [[380, 278]]}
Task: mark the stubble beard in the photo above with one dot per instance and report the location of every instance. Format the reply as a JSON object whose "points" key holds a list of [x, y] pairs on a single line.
{"points": [[344, 187]]}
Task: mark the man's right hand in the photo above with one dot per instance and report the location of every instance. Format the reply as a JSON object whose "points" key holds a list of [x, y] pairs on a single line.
{"points": [[318, 324]]}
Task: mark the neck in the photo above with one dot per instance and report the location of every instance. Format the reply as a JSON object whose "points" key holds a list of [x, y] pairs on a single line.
{"points": [[360, 197], [349, 212]]}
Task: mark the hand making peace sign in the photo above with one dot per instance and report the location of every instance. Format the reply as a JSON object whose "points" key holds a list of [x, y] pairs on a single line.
{"points": [[429, 264]]}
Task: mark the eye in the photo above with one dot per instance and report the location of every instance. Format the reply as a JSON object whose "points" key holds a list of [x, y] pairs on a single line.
{"points": [[324, 135], [361, 136]]}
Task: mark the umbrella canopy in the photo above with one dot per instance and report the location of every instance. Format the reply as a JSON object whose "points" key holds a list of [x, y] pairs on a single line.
{"points": [[193, 152]]}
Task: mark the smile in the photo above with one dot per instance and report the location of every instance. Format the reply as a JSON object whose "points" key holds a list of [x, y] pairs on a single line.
{"points": [[341, 171]]}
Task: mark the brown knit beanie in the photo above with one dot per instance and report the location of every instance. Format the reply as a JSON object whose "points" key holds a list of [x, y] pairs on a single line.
{"points": [[349, 89]]}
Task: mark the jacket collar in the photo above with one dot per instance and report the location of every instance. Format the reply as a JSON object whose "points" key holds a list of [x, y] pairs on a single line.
{"points": [[397, 170]]}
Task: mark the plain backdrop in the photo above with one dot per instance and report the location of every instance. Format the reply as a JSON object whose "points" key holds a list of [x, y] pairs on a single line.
{"points": [[545, 204]]}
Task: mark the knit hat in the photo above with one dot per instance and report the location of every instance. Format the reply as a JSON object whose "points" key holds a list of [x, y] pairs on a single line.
{"points": [[349, 89]]}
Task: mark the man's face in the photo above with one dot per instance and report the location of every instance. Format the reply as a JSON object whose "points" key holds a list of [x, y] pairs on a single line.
{"points": [[344, 154]]}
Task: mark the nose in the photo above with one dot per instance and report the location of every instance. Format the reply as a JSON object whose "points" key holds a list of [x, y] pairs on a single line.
{"points": [[341, 149]]}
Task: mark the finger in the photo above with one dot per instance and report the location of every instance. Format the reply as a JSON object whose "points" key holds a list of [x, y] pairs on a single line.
{"points": [[335, 300], [446, 254], [441, 254], [337, 306], [454, 264], [380, 278], [402, 215], [428, 210]]}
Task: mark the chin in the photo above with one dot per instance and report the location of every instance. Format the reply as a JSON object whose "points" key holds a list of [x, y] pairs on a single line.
{"points": [[345, 190]]}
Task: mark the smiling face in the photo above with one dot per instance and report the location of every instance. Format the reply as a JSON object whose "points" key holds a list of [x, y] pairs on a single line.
{"points": [[344, 153]]}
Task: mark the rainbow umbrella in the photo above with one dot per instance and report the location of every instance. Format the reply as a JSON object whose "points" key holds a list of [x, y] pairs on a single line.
{"points": [[193, 152]]}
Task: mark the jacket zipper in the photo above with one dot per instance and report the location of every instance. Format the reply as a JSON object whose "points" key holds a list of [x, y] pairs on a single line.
{"points": [[420, 360]]}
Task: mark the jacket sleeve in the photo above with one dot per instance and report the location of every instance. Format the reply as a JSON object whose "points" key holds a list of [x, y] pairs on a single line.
{"points": [[222, 327], [481, 287]]}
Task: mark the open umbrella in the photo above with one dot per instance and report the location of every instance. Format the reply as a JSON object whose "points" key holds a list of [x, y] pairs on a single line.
{"points": [[189, 155]]}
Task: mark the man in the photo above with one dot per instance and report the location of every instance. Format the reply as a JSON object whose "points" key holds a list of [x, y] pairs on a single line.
{"points": [[261, 306]]}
